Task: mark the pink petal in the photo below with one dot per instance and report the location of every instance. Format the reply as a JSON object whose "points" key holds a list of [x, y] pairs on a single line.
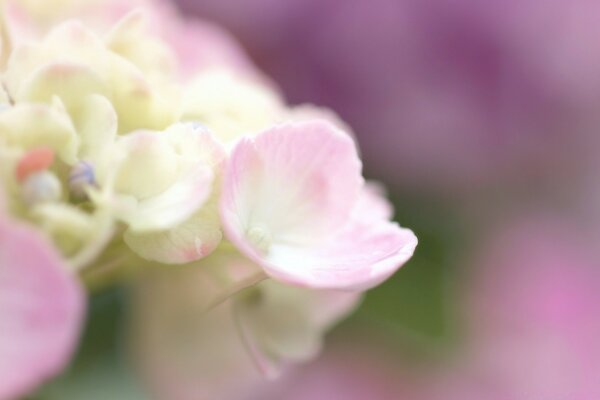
{"points": [[290, 203], [294, 183], [372, 204], [359, 257], [328, 307], [41, 309]]}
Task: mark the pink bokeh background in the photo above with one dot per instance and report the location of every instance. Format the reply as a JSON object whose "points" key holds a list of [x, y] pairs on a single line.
{"points": [[482, 119]]}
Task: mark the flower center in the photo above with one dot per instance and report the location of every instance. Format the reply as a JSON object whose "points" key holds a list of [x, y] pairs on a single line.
{"points": [[260, 238]]}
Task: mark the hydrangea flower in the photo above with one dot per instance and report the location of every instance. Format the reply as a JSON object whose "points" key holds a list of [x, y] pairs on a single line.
{"points": [[121, 156]]}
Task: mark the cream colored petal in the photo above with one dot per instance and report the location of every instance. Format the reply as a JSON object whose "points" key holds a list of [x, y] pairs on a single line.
{"points": [[150, 166], [71, 82], [97, 127], [230, 104], [189, 241], [79, 235], [68, 43], [131, 38], [168, 175], [141, 105], [174, 205], [21, 63], [288, 324], [195, 143], [73, 41], [34, 125]]}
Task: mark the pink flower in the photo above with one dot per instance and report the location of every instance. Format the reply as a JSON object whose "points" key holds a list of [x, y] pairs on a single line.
{"points": [[41, 310], [294, 201]]}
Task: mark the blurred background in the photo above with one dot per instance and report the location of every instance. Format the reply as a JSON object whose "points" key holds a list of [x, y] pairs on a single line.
{"points": [[482, 118]]}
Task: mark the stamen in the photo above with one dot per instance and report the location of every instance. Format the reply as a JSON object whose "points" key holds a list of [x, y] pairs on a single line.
{"points": [[260, 238]]}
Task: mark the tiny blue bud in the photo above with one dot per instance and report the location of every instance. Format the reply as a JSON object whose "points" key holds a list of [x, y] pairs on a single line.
{"points": [[81, 177]]}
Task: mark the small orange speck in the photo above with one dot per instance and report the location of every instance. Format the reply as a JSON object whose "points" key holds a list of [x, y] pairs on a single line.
{"points": [[34, 161]]}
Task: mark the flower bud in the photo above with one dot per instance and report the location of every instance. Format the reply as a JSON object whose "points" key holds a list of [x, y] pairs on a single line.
{"points": [[81, 177], [41, 187]]}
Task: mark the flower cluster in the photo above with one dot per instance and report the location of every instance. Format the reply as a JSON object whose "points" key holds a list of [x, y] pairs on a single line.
{"points": [[128, 147]]}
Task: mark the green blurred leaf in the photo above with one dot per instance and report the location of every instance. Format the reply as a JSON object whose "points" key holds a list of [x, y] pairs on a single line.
{"points": [[99, 371], [416, 305]]}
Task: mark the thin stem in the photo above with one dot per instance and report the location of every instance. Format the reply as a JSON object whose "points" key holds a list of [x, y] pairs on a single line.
{"points": [[94, 277], [260, 361], [236, 288], [106, 267], [85, 256]]}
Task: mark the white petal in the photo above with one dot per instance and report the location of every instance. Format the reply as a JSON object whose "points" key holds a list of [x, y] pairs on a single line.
{"points": [[182, 162], [36, 125], [189, 241]]}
